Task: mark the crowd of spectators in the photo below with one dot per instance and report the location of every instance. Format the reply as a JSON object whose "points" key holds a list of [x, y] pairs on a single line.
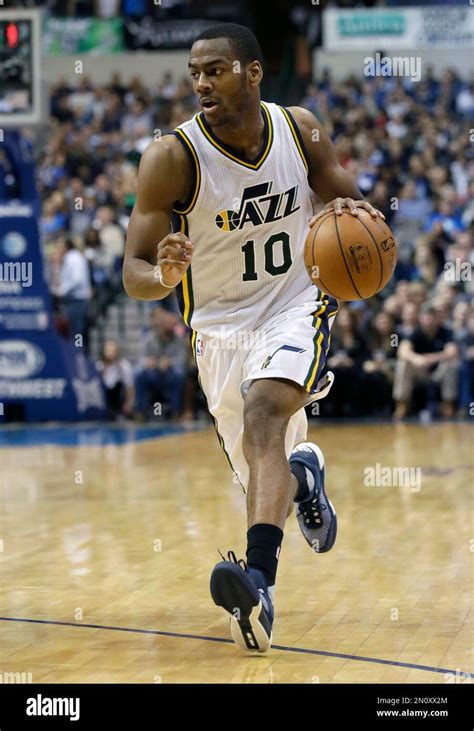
{"points": [[408, 146]]}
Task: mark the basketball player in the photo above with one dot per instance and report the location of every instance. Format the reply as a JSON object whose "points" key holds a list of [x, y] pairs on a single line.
{"points": [[238, 182]]}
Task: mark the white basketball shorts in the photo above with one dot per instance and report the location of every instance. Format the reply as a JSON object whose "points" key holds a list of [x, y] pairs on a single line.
{"points": [[291, 345]]}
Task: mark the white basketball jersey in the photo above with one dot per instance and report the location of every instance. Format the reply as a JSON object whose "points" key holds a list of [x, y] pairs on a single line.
{"points": [[248, 221]]}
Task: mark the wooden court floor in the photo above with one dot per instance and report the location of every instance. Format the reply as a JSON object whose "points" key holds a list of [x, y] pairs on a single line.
{"points": [[107, 550]]}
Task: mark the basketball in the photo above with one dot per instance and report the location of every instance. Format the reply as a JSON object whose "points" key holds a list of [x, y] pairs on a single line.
{"points": [[350, 257]]}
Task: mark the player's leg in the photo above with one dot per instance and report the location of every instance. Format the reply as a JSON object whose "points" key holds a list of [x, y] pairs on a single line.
{"points": [[268, 407], [280, 377], [293, 353], [232, 587], [247, 595], [275, 482]]}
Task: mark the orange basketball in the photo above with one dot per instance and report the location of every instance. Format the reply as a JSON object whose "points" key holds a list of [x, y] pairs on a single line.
{"points": [[350, 257]]}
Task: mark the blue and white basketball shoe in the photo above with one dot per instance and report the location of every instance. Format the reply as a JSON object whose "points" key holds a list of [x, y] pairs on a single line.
{"points": [[245, 597], [315, 513]]}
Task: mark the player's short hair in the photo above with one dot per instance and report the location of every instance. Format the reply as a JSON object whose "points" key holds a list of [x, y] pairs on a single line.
{"points": [[243, 41]]}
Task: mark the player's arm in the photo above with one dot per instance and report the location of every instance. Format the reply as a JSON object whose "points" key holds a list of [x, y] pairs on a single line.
{"points": [[163, 178], [331, 183]]}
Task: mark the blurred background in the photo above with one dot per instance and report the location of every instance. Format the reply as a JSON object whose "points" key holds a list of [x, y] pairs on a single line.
{"points": [[107, 76]]}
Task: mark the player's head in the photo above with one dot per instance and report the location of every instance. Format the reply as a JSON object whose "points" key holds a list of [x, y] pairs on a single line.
{"points": [[226, 68]]}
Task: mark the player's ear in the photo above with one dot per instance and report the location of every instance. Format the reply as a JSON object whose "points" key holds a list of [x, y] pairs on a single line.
{"points": [[255, 73]]}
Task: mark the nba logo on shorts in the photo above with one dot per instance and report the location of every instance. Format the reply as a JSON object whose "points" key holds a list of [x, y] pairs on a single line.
{"points": [[199, 345]]}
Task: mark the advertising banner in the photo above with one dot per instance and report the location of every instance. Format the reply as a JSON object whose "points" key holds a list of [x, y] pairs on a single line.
{"points": [[25, 303], [151, 34], [45, 378], [42, 376], [82, 35], [420, 27]]}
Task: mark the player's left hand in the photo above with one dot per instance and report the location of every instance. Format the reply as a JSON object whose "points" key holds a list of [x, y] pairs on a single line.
{"points": [[338, 204]]}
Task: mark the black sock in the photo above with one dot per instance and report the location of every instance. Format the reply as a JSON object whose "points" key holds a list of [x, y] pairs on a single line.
{"points": [[263, 549]]}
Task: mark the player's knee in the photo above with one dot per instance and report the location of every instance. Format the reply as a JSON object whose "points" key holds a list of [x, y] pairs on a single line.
{"points": [[264, 415]]}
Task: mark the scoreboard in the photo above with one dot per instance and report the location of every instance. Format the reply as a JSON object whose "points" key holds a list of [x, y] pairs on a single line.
{"points": [[20, 55]]}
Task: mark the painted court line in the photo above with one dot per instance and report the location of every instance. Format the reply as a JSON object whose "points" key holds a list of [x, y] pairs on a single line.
{"points": [[283, 648]]}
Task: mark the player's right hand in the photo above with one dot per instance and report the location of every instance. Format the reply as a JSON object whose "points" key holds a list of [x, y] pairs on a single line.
{"points": [[174, 254], [338, 204]]}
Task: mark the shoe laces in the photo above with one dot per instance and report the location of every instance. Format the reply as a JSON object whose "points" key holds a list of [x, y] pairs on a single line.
{"points": [[311, 511], [233, 558]]}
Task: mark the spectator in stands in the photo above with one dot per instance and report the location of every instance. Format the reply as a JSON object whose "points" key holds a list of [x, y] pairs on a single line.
{"points": [[72, 285], [461, 312], [379, 367], [102, 267], [417, 173], [426, 265], [117, 377], [408, 320], [412, 211], [380, 199], [417, 293], [346, 358], [111, 234], [110, 254], [60, 108], [138, 117], [112, 118], [54, 171], [449, 219], [102, 191], [429, 357], [52, 222], [163, 369], [82, 214], [465, 342]]}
